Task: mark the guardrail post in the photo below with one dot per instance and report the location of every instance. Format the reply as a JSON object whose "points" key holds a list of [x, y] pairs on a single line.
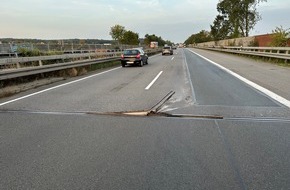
{"points": [[40, 62], [18, 65]]}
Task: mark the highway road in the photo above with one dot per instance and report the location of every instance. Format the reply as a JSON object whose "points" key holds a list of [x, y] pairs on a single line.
{"points": [[218, 131]]}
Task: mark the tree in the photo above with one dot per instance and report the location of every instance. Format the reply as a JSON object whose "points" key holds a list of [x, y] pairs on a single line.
{"points": [[236, 17], [117, 32], [221, 28], [280, 37], [202, 36], [150, 38], [130, 38], [153, 38], [168, 42], [249, 15]]}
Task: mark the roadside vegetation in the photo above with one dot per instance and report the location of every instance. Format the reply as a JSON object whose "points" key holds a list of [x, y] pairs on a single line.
{"points": [[280, 37], [235, 19], [24, 52]]}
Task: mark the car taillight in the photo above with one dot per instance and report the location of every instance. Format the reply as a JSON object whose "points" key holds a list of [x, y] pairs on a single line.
{"points": [[122, 56], [138, 56]]}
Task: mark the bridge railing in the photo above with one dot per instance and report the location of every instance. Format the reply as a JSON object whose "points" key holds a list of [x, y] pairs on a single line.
{"points": [[269, 52], [25, 66]]}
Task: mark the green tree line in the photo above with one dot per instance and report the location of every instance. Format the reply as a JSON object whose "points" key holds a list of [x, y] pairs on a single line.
{"points": [[128, 37], [236, 18]]}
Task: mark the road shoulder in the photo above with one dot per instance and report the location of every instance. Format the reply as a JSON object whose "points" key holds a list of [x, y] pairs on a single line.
{"points": [[272, 77]]}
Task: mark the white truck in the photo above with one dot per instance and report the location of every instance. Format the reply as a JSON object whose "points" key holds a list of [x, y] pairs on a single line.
{"points": [[153, 44]]}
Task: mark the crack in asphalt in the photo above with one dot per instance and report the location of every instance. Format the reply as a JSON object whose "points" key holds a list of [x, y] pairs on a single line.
{"points": [[231, 157]]}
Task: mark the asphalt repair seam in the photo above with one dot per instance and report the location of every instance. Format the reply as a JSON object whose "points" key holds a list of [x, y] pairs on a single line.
{"points": [[154, 111], [231, 157]]}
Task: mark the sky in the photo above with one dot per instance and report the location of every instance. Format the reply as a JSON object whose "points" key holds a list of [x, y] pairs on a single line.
{"points": [[173, 20]]}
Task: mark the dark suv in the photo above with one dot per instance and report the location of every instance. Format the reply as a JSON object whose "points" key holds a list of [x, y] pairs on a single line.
{"points": [[134, 56]]}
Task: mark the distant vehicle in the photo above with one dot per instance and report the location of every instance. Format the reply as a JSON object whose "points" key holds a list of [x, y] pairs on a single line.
{"points": [[181, 45], [153, 44], [167, 50], [135, 56], [174, 46]]}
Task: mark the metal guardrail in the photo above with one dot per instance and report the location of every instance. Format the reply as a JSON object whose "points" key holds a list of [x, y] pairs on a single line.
{"points": [[14, 73], [11, 49], [269, 52], [9, 61], [40, 68]]}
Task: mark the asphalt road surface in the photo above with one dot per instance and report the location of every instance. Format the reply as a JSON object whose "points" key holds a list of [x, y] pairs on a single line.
{"points": [[218, 131]]}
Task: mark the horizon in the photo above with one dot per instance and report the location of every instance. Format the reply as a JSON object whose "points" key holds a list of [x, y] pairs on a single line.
{"points": [[101, 39]]}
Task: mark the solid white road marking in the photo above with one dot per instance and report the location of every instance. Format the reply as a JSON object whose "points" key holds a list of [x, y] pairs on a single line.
{"points": [[75, 81], [269, 93], [154, 80]]}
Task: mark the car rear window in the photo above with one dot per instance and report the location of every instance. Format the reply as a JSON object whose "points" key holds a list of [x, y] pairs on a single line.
{"points": [[166, 48], [131, 52]]}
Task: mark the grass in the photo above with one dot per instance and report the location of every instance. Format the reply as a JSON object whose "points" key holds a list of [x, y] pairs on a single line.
{"points": [[280, 62], [104, 65]]}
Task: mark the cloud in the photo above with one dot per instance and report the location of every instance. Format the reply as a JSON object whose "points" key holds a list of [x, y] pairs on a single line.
{"points": [[111, 8], [171, 19], [151, 3]]}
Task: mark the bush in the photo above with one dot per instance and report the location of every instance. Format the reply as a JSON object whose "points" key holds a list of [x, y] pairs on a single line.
{"points": [[254, 43], [280, 37], [28, 53], [24, 52], [72, 72]]}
